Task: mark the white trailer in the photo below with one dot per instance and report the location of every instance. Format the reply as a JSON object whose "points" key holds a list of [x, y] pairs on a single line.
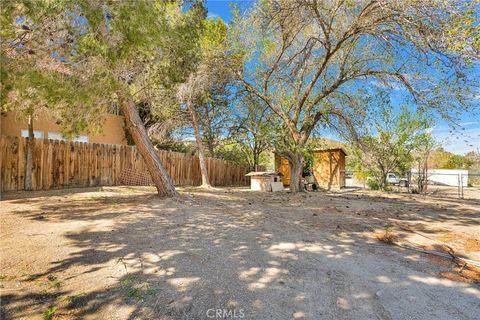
{"points": [[446, 177]]}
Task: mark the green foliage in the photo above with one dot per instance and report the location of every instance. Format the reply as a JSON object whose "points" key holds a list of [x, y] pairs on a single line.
{"points": [[176, 146], [388, 140], [373, 184], [309, 60], [49, 313], [463, 31], [255, 128], [73, 103], [309, 159], [213, 38], [233, 151], [456, 161], [69, 58], [37, 76]]}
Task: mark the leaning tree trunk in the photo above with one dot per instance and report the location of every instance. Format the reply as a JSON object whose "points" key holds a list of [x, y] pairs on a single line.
{"points": [[296, 168], [209, 134], [29, 156], [162, 180], [201, 149]]}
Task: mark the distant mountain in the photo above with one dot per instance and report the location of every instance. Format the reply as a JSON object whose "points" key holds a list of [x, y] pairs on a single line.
{"points": [[443, 159]]}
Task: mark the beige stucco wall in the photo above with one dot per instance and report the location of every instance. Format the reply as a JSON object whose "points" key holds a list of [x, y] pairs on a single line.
{"points": [[112, 132]]}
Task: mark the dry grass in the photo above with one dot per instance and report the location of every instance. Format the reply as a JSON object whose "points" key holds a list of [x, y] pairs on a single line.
{"points": [[468, 274], [387, 236], [463, 242], [472, 245], [460, 271]]}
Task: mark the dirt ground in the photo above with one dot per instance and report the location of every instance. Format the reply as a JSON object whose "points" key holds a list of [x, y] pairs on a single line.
{"points": [[123, 253]]}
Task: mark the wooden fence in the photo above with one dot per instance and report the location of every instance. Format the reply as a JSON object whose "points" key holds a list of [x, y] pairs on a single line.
{"points": [[61, 164]]}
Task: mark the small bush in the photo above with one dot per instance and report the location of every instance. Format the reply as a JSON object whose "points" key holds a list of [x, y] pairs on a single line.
{"points": [[48, 314], [473, 181], [373, 184], [388, 236]]}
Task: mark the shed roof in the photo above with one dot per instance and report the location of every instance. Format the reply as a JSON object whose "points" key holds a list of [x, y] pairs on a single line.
{"points": [[330, 150]]}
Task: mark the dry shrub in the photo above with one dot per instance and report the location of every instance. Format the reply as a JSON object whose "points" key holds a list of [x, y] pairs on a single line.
{"points": [[387, 236]]}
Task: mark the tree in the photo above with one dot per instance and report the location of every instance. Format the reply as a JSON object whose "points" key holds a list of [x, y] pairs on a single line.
{"points": [[142, 49], [212, 70], [307, 59], [385, 144], [463, 32], [36, 80], [457, 161], [215, 117], [424, 146], [253, 128]]}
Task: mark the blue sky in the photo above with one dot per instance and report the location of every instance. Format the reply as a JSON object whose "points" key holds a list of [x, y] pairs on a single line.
{"points": [[465, 138]]}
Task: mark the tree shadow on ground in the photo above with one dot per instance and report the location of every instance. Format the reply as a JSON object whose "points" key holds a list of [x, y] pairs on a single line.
{"points": [[263, 256]]}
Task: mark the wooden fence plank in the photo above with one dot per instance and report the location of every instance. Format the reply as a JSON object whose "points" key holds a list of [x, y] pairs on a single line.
{"points": [[60, 164], [21, 164]]}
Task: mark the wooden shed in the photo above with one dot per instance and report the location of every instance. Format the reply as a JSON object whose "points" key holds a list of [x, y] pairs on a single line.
{"points": [[328, 168]]}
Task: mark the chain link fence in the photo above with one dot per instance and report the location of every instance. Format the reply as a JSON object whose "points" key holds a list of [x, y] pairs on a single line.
{"points": [[461, 185]]}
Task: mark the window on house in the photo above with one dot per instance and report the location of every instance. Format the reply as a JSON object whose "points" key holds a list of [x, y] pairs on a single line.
{"points": [[55, 136], [81, 139], [59, 136], [36, 134]]}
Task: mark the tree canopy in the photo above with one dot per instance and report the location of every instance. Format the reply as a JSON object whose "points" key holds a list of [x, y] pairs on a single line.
{"points": [[267, 81], [307, 60]]}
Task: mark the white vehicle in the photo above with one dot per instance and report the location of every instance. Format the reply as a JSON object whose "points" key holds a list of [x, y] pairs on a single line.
{"points": [[392, 178]]}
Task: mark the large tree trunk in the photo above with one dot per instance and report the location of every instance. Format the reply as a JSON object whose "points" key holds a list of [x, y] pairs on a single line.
{"points": [[422, 176], [209, 134], [162, 180], [29, 156], [201, 149], [296, 168], [383, 180]]}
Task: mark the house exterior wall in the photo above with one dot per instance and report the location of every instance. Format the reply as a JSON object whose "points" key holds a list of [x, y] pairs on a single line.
{"points": [[112, 132], [328, 168]]}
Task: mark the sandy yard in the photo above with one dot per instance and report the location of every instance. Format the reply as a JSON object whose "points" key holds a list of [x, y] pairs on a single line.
{"points": [[123, 253]]}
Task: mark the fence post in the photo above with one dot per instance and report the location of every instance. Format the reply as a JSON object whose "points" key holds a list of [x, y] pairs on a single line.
{"points": [[409, 180], [461, 182], [459, 185]]}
